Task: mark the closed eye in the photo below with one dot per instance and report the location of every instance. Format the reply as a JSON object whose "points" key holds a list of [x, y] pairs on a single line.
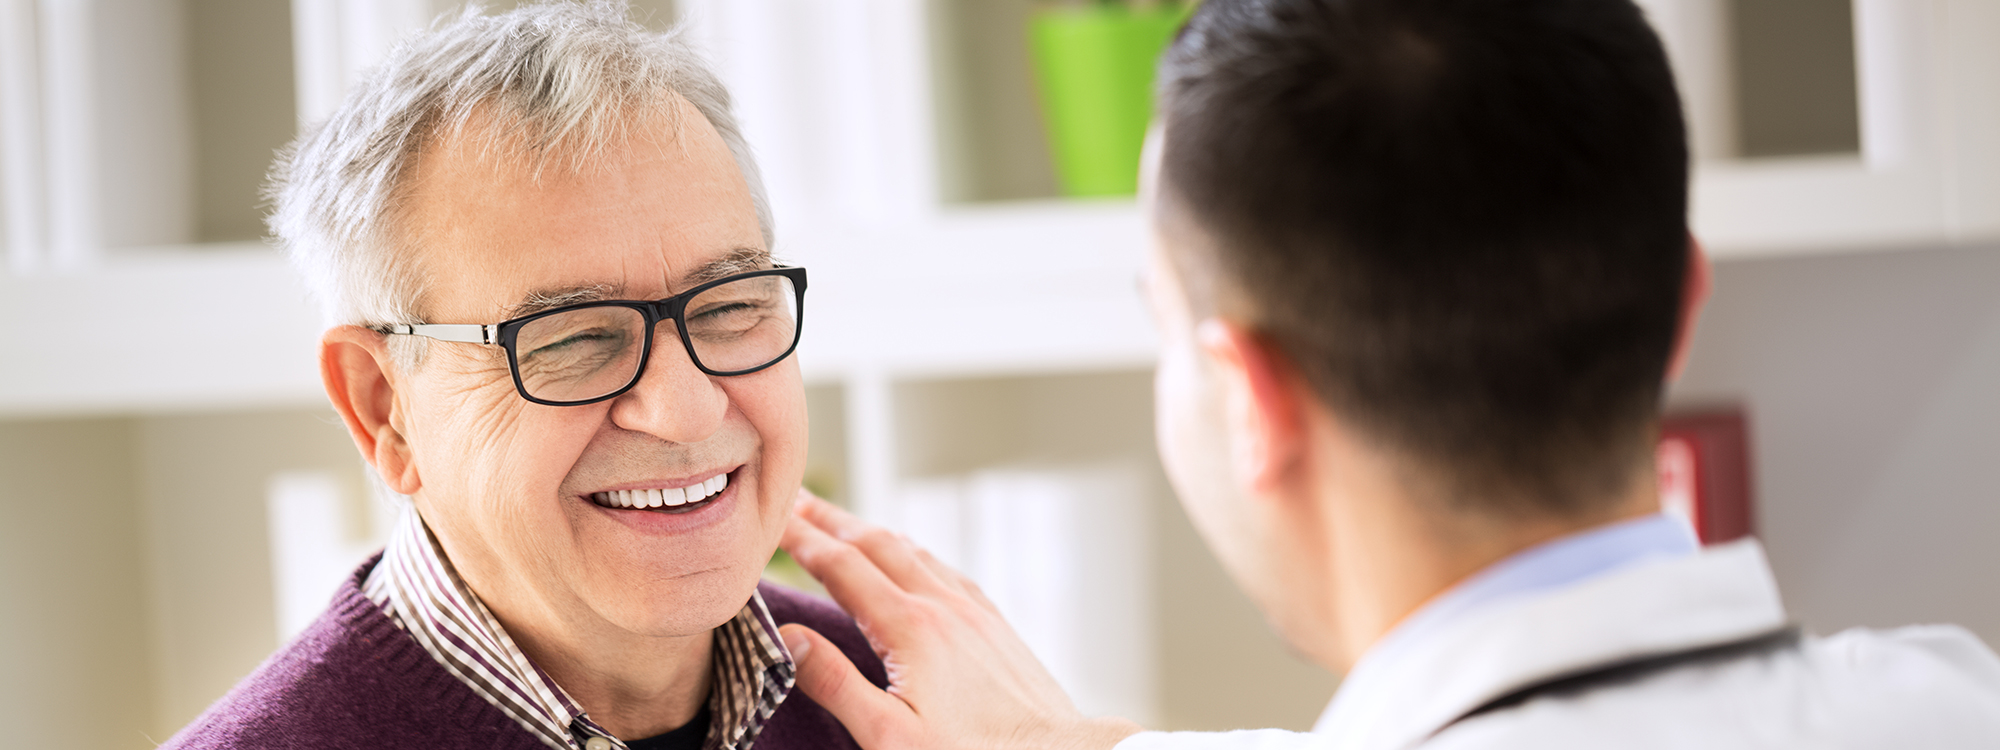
{"points": [[595, 336]]}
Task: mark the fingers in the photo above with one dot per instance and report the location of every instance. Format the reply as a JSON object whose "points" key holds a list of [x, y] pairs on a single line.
{"points": [[831, 680], [816, 534], [849, 575], [950, 577], [830, 517], [823, 515], [893, 554]]}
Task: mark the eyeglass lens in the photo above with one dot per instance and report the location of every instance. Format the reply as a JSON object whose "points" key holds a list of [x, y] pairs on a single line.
{"points": [[582, 354]]}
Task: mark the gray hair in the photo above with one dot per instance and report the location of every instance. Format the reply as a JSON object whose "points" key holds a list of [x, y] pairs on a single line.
{"points": [[559, 77]]}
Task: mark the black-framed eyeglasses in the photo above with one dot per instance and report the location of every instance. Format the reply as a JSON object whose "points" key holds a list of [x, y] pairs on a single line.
{"points": [[588, 352]]}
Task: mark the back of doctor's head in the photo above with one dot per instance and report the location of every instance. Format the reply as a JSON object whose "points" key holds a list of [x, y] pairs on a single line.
{"points": [[1463, 220]]}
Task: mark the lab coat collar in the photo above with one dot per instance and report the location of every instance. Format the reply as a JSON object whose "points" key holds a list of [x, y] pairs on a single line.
{"points": [[1724, 594]]}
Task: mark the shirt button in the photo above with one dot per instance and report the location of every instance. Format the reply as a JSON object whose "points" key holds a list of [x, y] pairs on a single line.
{"points": [[597, 743]]}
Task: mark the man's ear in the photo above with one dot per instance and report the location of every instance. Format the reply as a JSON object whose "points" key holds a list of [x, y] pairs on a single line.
{"points": [[1695, 287], [1261, 404], [361, 381]]}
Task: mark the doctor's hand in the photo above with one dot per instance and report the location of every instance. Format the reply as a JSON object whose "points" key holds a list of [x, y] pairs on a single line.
{"points": [[959, 677]]}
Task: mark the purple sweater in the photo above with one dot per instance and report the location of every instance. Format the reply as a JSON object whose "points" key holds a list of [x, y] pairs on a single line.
{"points": [[355, 680]]}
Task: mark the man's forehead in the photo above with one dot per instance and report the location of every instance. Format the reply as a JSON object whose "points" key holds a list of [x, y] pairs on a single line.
{"points": [[658, 214], [570, 292]]}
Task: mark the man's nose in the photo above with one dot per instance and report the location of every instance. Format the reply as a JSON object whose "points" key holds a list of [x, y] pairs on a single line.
{"points": [[673, 400]]}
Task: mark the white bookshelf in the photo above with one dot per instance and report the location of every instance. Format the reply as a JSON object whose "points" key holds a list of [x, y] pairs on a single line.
{"points": [[854, 107], [1918, 173]]}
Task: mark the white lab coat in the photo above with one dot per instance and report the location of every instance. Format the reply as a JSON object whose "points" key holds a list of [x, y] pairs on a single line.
{"points": [[1915, 687]]}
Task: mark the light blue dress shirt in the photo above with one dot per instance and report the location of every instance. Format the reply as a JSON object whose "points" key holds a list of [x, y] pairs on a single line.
{"points": [[1549, 565]]}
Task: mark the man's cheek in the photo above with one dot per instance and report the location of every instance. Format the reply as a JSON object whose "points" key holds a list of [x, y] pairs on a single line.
{"points": [[502, 445], [1171, 401], [773, 402], [465, 422]]}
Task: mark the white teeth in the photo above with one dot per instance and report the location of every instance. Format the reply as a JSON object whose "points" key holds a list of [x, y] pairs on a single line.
{"points": [[667, 497]]}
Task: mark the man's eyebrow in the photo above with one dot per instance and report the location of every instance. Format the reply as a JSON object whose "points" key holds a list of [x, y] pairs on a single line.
{"points": [[739, 260], [550, 299]]}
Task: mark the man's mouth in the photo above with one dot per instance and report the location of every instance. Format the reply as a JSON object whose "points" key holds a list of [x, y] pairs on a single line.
{"points": [[664, 499]]}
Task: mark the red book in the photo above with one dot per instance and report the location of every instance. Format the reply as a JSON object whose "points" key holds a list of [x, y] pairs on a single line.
{"points": [[1704, 470]]}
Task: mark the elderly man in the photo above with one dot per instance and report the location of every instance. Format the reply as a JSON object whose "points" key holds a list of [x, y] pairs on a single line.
{"points": [[563, 337]]}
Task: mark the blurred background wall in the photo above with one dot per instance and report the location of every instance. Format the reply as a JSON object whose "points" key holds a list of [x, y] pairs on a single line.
{"points": [[1871, 385], [158, 384]]}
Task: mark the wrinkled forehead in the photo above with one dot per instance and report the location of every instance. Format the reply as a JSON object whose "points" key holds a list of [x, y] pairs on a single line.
{"points": [[494, 220]]}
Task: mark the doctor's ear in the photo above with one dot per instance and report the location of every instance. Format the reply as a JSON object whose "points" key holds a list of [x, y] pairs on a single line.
{"points": [[1262, 403], [361, 380], [1695, 287]]}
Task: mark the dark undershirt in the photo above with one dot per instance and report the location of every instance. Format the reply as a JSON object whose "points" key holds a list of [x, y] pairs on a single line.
{"points": [[688, 737]]}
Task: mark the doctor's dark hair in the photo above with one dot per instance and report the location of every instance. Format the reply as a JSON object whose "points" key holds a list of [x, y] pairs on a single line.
{"points": [[1464, 221]]}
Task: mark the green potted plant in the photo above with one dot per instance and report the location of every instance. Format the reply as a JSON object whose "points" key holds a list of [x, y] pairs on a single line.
{"points": [[1094, 65]]}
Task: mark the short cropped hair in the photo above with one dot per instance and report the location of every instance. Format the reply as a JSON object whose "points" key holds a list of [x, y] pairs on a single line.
{"points": [[563, 80], [1463, 220]]}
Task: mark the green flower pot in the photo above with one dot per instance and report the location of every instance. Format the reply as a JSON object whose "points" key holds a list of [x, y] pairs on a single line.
{"points": [[1094, 65]]}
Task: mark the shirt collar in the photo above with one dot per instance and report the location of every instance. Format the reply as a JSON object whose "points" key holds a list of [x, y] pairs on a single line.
{"points": [[416, 585], [1553, 564]]}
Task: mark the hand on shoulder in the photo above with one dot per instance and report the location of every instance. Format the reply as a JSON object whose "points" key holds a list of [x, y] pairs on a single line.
{"points": [[959, 676]]}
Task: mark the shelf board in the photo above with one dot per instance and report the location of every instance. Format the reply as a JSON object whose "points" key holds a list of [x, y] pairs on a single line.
{"points": [[1816, 205], [1022, 288], [1016, 288], [163, 329], [995, 290]]}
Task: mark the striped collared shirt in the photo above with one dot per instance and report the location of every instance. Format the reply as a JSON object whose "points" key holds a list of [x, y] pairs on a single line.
{"points": [[423, 594]]}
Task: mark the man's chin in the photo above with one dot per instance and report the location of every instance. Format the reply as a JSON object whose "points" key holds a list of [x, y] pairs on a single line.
{"points": [[683, 606]]}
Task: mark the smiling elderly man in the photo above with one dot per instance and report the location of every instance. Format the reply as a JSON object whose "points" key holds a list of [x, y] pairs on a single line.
{"points": [[562, 336]]}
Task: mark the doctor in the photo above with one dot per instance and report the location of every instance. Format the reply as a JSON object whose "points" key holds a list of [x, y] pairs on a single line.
{"points": [[1421, 268]]}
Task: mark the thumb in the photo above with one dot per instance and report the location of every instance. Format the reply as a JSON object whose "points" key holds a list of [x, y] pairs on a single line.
{"points": [[828, 677]]}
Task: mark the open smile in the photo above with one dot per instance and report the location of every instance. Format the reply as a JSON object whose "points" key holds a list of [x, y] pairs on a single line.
{"points": [[683, 499]]}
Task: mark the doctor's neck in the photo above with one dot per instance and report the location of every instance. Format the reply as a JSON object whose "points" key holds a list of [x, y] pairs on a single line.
{"points": [[1388, 547]]}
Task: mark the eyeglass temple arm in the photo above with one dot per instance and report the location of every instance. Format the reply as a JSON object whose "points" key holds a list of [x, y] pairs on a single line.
{"points": [[469, 333]]}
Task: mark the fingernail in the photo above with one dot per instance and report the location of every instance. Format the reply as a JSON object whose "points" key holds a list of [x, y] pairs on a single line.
{"points": [[798, 644]]}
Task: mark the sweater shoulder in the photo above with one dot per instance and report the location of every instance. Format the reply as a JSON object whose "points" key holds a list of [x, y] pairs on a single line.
{"points": [[351, 679]]}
